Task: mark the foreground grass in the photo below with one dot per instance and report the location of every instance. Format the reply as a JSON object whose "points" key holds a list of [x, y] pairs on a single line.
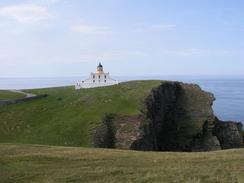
{"points": [[68, 116], [8, 95], [32, 163]]}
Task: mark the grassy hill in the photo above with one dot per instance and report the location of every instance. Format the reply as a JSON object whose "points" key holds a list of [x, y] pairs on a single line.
{"points": [[7, 95], [68, 116], [49, 164]]}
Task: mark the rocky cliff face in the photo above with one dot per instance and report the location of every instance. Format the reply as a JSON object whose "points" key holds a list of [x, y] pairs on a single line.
{"points": [[117, 131], [229, 134], [175, 114], [176, 117]]}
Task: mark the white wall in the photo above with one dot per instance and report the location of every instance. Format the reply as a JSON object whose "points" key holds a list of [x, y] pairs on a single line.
{"points": [[95, 81]]}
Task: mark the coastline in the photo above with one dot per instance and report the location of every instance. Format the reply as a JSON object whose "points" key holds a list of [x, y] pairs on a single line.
{"points": [[228, 91]]}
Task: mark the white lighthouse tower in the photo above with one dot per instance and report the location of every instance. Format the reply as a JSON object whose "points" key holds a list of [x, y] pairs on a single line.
{"points": [[97, 79]]}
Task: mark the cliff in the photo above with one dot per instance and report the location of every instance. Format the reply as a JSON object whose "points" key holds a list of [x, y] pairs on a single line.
{"points": [[176, 117]]}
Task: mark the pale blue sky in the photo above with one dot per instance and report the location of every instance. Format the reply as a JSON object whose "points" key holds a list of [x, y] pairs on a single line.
{"points": [[44, 38]]}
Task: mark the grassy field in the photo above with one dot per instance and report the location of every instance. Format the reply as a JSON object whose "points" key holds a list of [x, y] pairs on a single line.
{"points": [[6, 95], [49, 164], [68, 116]]}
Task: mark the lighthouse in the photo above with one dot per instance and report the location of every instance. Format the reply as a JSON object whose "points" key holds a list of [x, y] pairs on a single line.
{"points": [[100, 68], [97, 79]]}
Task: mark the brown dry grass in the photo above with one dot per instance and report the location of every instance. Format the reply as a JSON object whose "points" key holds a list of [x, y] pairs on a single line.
{"points": [[33, 163]]}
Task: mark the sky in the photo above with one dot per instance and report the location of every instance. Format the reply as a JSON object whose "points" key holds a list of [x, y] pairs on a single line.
{"points": [[53, 38]]}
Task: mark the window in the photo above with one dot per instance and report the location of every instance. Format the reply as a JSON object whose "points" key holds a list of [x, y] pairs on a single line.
{"points": [[105, 81], [105, 76], [99, 76], [93, 81], [93, 76]]}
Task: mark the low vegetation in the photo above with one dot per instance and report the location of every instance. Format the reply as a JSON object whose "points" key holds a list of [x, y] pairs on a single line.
{"points": [[9, 95], [49, 164], [68, 116]]}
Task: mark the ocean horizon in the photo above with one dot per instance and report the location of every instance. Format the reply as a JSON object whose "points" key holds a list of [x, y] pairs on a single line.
{"points": [[228, 91]]}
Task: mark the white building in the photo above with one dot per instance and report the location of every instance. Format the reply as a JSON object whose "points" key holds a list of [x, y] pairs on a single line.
{"points": [[97, 79]]}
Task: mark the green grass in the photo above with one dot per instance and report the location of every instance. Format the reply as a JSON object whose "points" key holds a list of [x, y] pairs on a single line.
{"points": [[49, 164], [68, 116], [8, 95]]}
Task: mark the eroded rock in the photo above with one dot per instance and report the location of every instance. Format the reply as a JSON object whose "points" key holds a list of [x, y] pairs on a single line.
{"points": [[229, 134], [175, 114]]}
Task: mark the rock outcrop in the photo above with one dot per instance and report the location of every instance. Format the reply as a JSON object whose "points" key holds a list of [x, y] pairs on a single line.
{"points": [[117, 131], [206, 140], [176, 117], [175, 114], [229, 134]]}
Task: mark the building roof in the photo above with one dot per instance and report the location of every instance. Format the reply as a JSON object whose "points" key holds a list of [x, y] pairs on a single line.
{"points": [[100, 65]]}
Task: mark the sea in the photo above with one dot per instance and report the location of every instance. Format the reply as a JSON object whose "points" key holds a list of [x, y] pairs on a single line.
{"points": [[228, 91]]}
